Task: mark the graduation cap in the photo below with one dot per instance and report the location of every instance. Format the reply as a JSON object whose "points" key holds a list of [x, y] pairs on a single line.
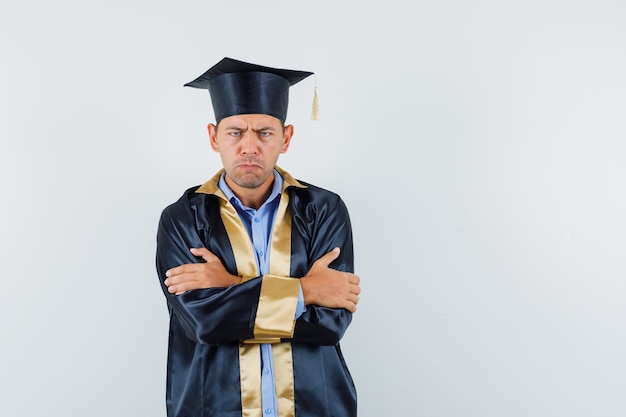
{"points": [[238, 87]]}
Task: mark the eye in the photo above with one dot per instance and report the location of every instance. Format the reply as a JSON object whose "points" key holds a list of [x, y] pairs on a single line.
{"points": [[265, 133], [234, 133]]}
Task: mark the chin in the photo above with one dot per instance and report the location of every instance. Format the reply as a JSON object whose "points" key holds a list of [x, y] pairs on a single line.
{"points": [[249, 181]]}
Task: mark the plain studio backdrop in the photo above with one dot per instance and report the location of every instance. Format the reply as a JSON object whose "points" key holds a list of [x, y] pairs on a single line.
{"points": [[479, 146]]}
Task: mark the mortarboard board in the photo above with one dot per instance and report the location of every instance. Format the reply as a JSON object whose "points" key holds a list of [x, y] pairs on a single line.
{"points": [[238, 87]]}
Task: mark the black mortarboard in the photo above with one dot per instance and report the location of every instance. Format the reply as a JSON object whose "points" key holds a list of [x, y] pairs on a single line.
{"points": [[238, 87]]}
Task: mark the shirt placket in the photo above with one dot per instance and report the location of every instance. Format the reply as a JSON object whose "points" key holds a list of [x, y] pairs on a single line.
{"points": [[258, 230]]}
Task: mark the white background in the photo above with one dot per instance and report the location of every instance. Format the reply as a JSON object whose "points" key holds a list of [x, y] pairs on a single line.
{"points": [[480, 147]]}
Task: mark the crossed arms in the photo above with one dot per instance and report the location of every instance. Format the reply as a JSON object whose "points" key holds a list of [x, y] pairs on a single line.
{"points": [[214, 306], [322, 286]]}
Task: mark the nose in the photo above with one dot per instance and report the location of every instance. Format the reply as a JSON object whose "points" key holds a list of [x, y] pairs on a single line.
{"points": [[248, 143]]}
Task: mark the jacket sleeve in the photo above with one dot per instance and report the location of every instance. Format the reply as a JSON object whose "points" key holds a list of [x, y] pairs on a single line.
{"points": [[213, 315], [317, 229]]}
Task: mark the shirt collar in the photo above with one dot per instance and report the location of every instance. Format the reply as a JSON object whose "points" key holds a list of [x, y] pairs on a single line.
{"points": [[211, 186]]}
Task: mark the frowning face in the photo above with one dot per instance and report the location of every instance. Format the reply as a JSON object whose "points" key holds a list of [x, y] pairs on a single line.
{"points": [[249, 146]]}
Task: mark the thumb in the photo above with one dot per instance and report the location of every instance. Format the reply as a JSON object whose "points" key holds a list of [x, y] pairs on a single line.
{"points": [[204, 253], [329, 257]]}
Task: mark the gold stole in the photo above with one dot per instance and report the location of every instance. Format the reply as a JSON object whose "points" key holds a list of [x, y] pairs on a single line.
{"points": [[275, 312]]}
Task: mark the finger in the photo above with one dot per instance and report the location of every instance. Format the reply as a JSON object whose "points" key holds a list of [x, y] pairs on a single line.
{"points": [[351, 307], [173, 288], [355, 290], [173, 281], [181, 277], [353, 298], [180, 270], [179, 292], [180, 288], [327, 258]]}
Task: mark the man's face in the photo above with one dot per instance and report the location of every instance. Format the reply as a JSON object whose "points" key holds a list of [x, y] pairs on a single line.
{"points": [[249, 145]]}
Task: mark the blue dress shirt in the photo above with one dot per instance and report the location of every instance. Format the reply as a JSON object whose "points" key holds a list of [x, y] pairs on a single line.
{"points": [[259, 224]]}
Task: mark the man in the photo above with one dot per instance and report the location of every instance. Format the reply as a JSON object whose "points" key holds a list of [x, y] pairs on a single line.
{"points": [[257, 268]]}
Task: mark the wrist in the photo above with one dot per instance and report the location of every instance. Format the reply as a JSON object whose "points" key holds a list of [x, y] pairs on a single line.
{"points": [[306, 291]]}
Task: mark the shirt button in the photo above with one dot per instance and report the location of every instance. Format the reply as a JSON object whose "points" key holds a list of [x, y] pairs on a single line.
{"points": [[256, 220], [268, 411], [266, 371], [260, 253]]}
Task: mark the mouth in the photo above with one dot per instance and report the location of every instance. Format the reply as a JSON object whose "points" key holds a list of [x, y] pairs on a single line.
{"points": [[248, 165]]}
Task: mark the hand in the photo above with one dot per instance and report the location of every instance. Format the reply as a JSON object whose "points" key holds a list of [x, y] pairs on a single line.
{"points": [[210, 274], [327, 287]]}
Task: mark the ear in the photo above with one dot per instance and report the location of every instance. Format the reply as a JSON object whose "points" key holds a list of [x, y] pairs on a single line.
{"points": [[213, 136], [287, 135]]}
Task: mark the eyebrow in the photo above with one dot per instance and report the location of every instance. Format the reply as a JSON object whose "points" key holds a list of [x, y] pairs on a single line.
{"points": [[264, 128]]}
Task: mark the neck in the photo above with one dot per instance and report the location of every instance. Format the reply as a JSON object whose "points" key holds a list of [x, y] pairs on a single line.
{"points": [[252, 197]]}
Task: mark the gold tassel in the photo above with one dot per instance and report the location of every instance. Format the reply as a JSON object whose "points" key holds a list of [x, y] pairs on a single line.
{"points": [[315, 111]]}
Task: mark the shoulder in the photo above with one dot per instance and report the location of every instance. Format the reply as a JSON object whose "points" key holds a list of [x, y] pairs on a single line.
{"points": [[192, 208], [312, 197], [188, 203], [182, 202], [314, 192]]}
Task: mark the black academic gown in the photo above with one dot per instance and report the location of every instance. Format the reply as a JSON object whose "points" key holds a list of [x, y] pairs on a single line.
{"points": [[213, 366]]}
